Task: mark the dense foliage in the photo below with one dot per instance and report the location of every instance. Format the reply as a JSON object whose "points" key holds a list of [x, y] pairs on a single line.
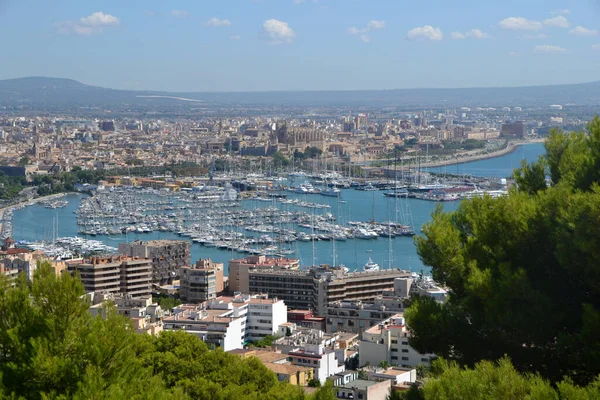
{"points": [[308, 153], [10, 186], [467, 144], [51, 347], [523, 270], [489, 380]]}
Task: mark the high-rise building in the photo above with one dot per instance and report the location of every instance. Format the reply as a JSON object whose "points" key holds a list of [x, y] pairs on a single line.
{"points": [[238, 269], [514, 129], [319, 286], [201, 282], [361, 120], [167, 256], [115, 274]]}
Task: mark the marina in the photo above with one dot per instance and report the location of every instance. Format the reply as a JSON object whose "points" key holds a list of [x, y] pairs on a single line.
{"points": [[318, 229]]}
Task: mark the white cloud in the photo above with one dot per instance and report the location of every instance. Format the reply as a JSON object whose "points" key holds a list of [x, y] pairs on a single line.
{"points": [[581, 31], [549, 49], [537, 36], [180, 13], [473, 33], [277, 32], [93, 24], [561, 12], [557, 22], [373, 25], [235, 37], [596, 47], [216, 22], [477, 34], [426, 32], [519, 24]]}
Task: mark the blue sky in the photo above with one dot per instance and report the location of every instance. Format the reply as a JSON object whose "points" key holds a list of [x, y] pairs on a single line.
{"points": [[228, 45]]}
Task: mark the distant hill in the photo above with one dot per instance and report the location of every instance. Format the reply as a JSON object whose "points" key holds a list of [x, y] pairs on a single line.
{"points": [[44, 92]]}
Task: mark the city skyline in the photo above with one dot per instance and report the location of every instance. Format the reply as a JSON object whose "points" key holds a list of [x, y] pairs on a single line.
{"points": [[266, 45]]}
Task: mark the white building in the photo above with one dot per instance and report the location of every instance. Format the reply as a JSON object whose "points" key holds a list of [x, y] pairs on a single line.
{"points": [[264, 317], [323, 360], [230, 322], [388, 341]]}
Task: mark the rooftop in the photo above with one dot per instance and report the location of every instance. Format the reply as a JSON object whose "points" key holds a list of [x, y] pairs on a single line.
{"points": [[359, 384]]}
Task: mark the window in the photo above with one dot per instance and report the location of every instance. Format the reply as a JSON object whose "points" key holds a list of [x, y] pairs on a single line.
{"points": [[425, 359], [394, 358], [394, 342], [404, 343], [405, 350], [404, 358]]}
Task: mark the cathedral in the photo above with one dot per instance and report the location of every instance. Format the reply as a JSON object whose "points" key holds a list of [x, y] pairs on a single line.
{"points": [[298, 137]]}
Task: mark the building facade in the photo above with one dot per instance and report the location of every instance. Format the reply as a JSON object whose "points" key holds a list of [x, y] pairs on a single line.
{"points": [[201, 282], [389, 341], [115, 274], [239, 269], [167, 256]]}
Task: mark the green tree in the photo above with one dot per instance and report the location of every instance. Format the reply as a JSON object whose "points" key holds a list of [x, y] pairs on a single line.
{"points": [[50, 345], [24, 161], [326, 392], [499, 380], [312, 152], [279, 160], [314, 382], [394, 395], [384, 364], [507, 260]]}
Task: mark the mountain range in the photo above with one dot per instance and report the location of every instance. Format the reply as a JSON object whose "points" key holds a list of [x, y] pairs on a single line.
{"points": [[41, 92]]}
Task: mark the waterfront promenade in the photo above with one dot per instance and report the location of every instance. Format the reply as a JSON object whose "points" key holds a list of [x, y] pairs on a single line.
{"points": [[465, 158]]}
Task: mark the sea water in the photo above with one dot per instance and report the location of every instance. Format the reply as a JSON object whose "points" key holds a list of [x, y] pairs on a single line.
{"points": [[36, 223]]}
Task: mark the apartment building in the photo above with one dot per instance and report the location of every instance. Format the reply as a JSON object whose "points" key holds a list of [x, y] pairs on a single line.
{"points": [[358, 316], [240, 268], [314, 289], [230, 322], [296, 288], [323, 360], [114, 274], [201, 282], [9, 273], [265, 315], [167, 256], [145, 315], [388, 341], [364, 389]]}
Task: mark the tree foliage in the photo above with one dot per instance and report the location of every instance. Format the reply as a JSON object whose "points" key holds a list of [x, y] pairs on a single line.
{"points": [[280, 160], [51, 347], [523, 270], [492, 381]]}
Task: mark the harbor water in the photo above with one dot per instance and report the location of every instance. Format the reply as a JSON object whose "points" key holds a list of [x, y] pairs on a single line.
{"points": [[36, 223]]}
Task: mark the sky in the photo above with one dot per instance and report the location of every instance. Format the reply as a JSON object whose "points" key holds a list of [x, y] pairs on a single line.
{"points": [[264, 45]]}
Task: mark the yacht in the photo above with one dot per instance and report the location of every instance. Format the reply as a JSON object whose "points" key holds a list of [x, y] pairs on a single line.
{"points": [[331, 192], [371, 266]]}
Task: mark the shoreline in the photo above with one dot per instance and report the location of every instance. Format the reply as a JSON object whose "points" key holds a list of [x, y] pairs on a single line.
{"points": [[25, 203], [467, 159]]}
